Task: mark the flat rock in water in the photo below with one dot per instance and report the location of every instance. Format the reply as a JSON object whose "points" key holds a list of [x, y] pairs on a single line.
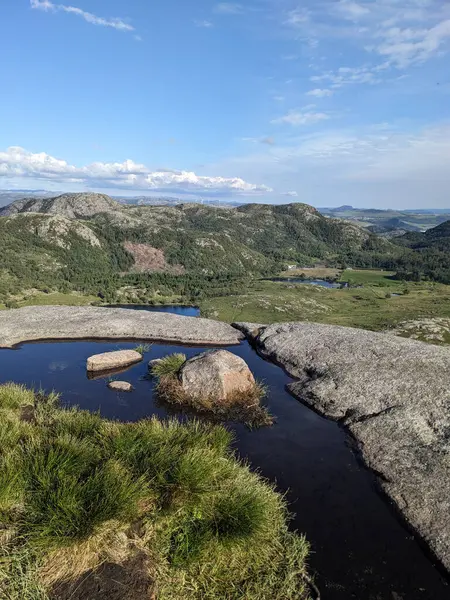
{"points": [[81, 322], [120, 386], [113, 360], [216, 374], [393, 394]]}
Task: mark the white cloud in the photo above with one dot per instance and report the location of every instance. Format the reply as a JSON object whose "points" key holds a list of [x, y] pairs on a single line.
{"points": [[375, 165], [115, 23], [17, 162], [351, 10], [404, 47], [320, 93], [205, 24], [297, 17], [402, 33], [352, 75], [291, 194], [229, 8], [301, 117]]}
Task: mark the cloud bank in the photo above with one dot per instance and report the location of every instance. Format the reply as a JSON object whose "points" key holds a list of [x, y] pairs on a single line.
{"points": [[17, 162]]}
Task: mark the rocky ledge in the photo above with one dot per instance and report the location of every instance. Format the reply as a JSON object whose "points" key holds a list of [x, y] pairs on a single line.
{"points": [[393, 395], [79, 322]]}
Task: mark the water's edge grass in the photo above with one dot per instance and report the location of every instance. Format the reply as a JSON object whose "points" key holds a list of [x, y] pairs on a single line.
{"points": [[167, 503]]}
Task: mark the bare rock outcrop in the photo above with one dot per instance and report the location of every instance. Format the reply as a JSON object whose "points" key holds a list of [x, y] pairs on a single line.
{"points": [[393, 395], [81, 322], [217, 374]]}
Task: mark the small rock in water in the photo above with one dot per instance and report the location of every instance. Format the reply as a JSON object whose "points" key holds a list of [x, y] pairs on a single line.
{"points": [[120, 386], [152, 363], [113, 360]]}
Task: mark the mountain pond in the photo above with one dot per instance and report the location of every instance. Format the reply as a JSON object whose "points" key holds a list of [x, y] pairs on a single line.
{"points": [[300, 280], [359, 547]]}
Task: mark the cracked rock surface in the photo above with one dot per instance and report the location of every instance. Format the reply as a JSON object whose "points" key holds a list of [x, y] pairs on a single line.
{"points": [[392, 394]]}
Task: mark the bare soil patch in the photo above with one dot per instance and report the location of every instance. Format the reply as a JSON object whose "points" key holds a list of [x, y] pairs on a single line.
{"points": [[111, 581], [150, 259]]}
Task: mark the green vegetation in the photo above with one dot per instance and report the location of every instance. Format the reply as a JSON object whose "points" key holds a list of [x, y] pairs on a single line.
{"points": [[168, 366], [241, 406], [166, 502], [142, 348], [366, 307], [203, 252], [206, 251], [369, 277]]}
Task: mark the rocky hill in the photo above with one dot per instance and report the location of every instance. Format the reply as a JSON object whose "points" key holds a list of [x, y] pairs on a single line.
{"points": [[91, 242], [72, 206]]}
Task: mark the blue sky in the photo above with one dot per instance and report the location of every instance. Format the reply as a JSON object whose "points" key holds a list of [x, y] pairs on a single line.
{"points": [[327, 102]]}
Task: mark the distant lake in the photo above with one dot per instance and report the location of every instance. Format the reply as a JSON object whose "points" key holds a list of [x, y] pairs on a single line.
{"points": [[185, 311], [321, 282]]}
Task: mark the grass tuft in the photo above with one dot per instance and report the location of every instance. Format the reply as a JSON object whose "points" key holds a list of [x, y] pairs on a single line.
{"points": [[13, 396], [168, 366], [142, 348], [71, 490]]}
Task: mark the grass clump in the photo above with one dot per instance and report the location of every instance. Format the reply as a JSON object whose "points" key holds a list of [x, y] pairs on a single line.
{"points": [[243, 406], [142, 349], [168, 366], [78, 492]]}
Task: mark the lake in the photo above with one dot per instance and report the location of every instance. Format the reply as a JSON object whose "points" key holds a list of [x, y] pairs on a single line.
{"points": [[321, 282], [360, 549], [174, 309]]}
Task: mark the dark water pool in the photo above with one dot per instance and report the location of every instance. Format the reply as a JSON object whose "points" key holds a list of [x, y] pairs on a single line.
{"points": [[359, 547], [321, 282], [174, 309]]}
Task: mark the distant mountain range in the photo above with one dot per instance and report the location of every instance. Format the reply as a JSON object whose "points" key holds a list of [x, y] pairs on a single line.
{"points": [[8, 196], [390, 223]]}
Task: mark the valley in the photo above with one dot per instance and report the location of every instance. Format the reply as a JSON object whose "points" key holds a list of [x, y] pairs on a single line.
{"points": [[79, 249]]}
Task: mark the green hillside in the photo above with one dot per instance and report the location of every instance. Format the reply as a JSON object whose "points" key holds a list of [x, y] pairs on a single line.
{"points": [[430, 258], [92, 244]]}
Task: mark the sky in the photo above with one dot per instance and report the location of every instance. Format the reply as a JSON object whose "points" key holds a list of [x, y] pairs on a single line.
{"points": [[327, 102]]}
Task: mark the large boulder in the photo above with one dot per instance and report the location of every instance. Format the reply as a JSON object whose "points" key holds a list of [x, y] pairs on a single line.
{"points": [[113, 360], [217, 374]]}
